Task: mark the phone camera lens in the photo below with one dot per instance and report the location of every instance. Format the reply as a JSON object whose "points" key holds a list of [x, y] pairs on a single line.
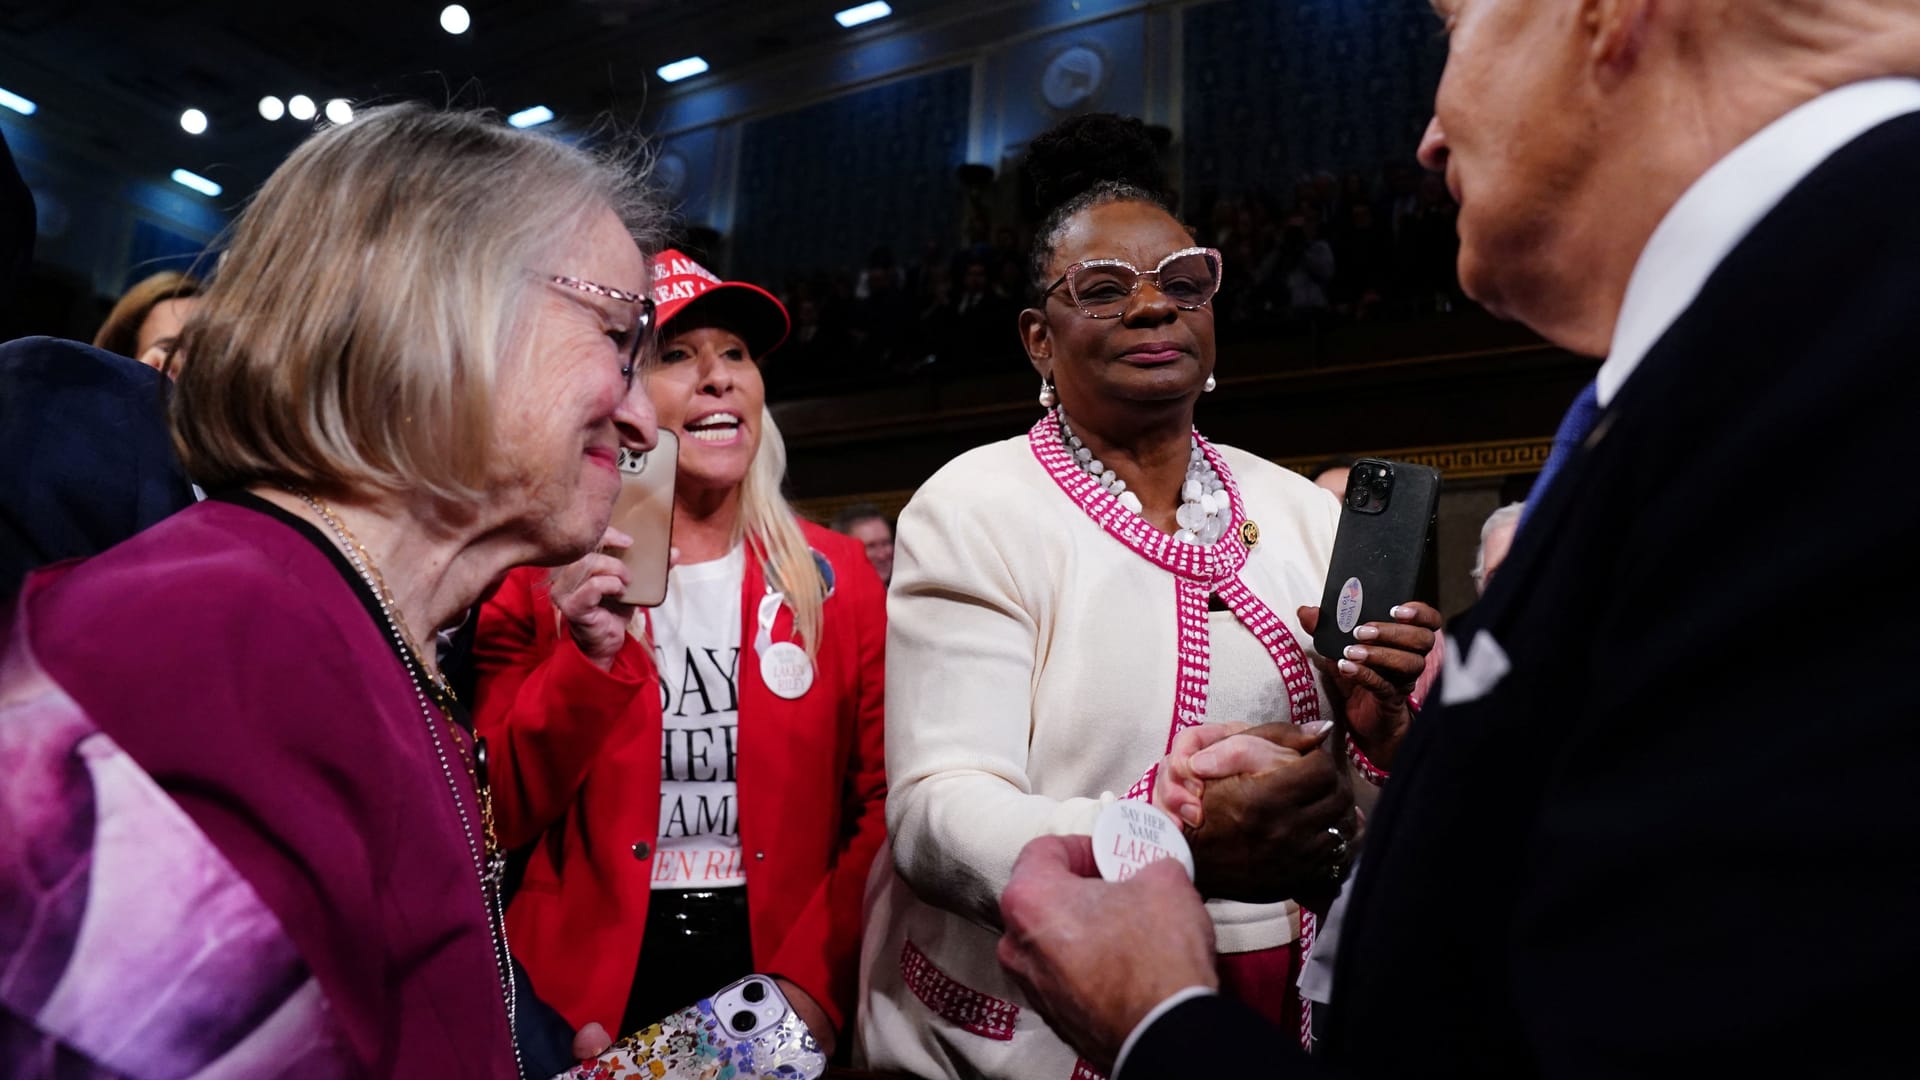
{"points": [[743, 1021], [754, 992]]}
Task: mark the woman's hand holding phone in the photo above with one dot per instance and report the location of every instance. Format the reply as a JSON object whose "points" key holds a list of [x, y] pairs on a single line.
{"points": [[1370, 681], [810, 1014], [587, 595]]}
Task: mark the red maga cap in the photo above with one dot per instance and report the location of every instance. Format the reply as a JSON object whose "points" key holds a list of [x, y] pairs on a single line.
{"points": [[748, 310]]}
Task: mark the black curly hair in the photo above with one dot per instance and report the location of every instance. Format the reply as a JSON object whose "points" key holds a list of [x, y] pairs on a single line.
{"points": [[1087, 161]]}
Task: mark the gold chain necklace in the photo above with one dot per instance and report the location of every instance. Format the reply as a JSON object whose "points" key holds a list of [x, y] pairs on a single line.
{"points": [[442, 690]]}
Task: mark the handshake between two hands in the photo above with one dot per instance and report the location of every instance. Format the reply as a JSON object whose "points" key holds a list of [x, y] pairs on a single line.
{"points": [[1268, 812]]}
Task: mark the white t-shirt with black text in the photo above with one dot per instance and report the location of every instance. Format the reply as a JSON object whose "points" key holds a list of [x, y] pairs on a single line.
{"points": [[696, 643]]}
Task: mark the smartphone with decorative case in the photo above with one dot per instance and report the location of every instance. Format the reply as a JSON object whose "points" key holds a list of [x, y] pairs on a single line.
{"points": [[745, 1031]]}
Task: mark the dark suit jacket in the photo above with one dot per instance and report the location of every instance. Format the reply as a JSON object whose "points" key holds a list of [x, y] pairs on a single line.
{"points": [[85, 457], [1682, 834]]}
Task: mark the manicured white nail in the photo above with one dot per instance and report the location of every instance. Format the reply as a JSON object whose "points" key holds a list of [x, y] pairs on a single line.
{"points": [[1402, 611], [1366, 633], [1355, 653], [1317, 728], [1348, 667]]}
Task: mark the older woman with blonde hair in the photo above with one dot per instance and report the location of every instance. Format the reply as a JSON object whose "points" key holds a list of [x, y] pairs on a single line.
{"points": [[706, 779], [260, 841]]}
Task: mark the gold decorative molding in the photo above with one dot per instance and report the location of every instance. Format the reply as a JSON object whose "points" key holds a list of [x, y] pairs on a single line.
{"points": [[1459, 461]]}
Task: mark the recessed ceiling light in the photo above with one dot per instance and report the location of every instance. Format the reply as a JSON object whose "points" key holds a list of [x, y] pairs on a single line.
{"points": [[865, 13], [454, 19], [301, 107], [526, 118], [197, 182], [193, 122], [17, 103], [339, 111], [682, 69], [272, 108]]}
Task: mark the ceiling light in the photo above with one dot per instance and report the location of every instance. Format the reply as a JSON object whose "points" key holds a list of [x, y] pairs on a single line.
{"points": [[193, 122], [682, 69], [17, 103], [197, 182], [339, 111], [527, 118], [865, 13], [272, 108], [300, 107], [454, 19]]}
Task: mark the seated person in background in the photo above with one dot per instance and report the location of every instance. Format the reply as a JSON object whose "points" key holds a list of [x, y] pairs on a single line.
{"points": [[251, 826], [1496, 536], [865, 523], [145, 322], [704, 782]]}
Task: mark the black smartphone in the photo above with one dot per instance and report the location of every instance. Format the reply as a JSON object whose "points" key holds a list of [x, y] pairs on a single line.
{"points": [[1382, 554]]}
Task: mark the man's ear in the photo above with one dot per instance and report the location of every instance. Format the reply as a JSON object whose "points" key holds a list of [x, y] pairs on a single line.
{"points": [[1038, 339], [1616, 30]]}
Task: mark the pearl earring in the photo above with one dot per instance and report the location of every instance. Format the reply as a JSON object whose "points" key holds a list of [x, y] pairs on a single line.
{"points": [[1211, 385], [1048, 399]]}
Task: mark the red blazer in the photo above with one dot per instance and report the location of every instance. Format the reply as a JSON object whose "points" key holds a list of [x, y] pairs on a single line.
{"points": [[575, 764]]}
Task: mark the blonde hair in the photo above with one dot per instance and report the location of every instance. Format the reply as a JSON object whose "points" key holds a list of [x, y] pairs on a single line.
{"points": [[120, 333], [772, 529], [371, 290]]}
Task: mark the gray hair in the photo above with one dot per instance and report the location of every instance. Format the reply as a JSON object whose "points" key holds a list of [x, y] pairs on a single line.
{"points": [[1499, 519], [370, 293]]}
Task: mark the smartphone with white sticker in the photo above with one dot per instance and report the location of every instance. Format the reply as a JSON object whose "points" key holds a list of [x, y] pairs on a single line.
{"points": [[1383, 552], [644, 511]]}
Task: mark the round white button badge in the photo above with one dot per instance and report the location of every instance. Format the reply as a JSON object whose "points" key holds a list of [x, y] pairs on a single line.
{"points": [[785, 669], [1128, 836]]}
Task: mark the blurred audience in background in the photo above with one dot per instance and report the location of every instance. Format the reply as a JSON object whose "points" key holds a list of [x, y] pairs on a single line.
{"points": [[865, 523], [1496, 536]]}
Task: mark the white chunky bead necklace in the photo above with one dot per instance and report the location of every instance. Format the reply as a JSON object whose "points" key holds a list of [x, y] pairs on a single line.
{"points": [[1204, 506]]}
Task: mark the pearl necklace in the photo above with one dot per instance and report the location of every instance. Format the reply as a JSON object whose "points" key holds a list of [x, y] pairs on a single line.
{"points": [[488, 864], [1204, 507]]}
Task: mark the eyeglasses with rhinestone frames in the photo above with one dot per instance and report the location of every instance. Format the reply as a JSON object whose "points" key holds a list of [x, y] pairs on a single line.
{"points": [[1101, 288], [629, 341]]}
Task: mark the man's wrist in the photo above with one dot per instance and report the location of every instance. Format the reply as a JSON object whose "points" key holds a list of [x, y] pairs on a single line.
{"points": [[1168, 1004]]}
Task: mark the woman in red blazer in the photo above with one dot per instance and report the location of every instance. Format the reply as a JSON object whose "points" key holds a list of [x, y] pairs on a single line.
{"points": [[703, 783]]}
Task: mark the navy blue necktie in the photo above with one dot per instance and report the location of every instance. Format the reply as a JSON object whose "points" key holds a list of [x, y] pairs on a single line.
{"points": [[1574, 430]]}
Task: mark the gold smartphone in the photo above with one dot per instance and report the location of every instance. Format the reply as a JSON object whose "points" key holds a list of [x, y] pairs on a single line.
{"points": [[644, 511]]}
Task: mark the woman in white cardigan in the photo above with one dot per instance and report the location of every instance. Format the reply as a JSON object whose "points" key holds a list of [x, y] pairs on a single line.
{"points": [[1063, 603]]}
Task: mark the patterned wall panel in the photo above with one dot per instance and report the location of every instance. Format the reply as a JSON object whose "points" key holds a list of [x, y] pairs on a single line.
{"points": [[823, 185], [1278, 88]]}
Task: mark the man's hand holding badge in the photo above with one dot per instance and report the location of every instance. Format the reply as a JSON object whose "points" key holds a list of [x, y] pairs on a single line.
{"points": [[1061, 919]]}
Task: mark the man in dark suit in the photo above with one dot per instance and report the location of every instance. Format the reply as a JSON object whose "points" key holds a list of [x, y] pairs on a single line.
{"points": [[1660, 818], [85, 458]]}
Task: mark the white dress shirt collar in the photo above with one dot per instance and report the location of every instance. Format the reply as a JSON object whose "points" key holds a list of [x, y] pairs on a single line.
{"points": [[1724, 205]]}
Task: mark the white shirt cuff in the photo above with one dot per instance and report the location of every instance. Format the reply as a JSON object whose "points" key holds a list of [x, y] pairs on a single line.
{"points": [[1173, 1001]]}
